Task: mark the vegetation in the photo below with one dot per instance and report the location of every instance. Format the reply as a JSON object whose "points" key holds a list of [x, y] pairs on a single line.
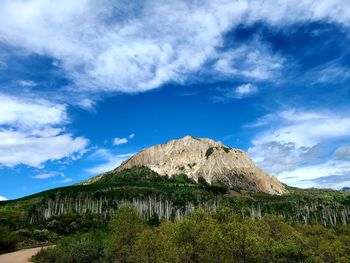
{"points": [[66, 214], [81, 248], [8, 240], [209, 152], [83, 206], [226, 149], [203, 237]]}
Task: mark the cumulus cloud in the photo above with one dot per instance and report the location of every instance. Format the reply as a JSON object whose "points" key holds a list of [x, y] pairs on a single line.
{"points": [[25, 114], [33, 150], [32, 132], [132, 46], [298, 148]]}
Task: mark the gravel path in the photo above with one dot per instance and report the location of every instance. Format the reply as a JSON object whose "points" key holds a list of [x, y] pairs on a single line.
{"points": [[20, 256]]}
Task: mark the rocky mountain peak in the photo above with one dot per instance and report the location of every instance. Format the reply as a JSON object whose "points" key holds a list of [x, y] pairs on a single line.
{"points": [[204, 157]]}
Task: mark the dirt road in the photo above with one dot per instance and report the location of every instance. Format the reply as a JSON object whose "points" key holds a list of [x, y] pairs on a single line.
{"points": [[20, 256]]}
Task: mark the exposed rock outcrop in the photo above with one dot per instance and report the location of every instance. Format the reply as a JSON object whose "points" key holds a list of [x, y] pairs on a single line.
{"points": [[203, 157]]}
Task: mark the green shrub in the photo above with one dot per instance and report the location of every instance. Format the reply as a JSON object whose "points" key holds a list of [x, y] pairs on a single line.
{"points": [[209, 152], [125, 227], [41, 235], [8, 240], [154, 220], [226, 149], [182, 179], [204, 237], [81, 248], [24, 233]]}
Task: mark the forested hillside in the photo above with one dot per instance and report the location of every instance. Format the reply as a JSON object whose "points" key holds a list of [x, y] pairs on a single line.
{"points": [[202, 237]]}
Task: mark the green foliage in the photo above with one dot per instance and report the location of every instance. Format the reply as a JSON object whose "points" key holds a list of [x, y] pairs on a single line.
{"points": [[181, 179], [141, 183], [209, 152], [24, 233], [226, 149], [215, 187], [154, 220], [68, 224], [202, 182], [44, 235], [8, 240], [219, 237], [125, 227], [81, 248], [138, 175]]}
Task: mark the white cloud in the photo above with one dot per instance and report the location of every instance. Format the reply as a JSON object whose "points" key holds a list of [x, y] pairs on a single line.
{"points": [[24, 113], [329, 73], [330, 174], [2, 198], [296, 146], [240, 92], [245, 90], [119, 141], [112, 47], [342, 153], [305, 128], [27, 83], [32, 132], [66, 180], [47, 175], [132, 46], [109, 161], [24, 148], [284, 12], [254, 61]]}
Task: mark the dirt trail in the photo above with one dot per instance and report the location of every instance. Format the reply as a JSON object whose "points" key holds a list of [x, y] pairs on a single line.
{"points": [[20, 256]]}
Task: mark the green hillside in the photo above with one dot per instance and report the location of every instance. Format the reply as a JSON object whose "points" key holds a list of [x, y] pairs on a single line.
{"points": [[173, 198]]}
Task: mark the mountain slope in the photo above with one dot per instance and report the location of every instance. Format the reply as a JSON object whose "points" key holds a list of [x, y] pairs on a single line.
{"points": [[206, 158]]}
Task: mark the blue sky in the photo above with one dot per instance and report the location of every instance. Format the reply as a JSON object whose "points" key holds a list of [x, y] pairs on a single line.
{"points": [[85, 84]]}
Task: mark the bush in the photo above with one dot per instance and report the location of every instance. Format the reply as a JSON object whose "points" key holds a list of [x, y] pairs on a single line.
{"points": [[24, 233], [154, 220], [209, 152], [125, 228], [204, 237], [82, 248], [8, 240]]}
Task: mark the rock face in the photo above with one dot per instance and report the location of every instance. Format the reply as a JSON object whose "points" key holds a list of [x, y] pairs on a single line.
{"points": [[202, 157]]}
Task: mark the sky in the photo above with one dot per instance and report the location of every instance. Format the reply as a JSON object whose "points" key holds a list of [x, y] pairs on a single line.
{"points": [[86, 84]]}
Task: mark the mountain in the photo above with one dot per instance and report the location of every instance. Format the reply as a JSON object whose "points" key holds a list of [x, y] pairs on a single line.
{"points": [[170, 181], [203, 158], [345, 189]]}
